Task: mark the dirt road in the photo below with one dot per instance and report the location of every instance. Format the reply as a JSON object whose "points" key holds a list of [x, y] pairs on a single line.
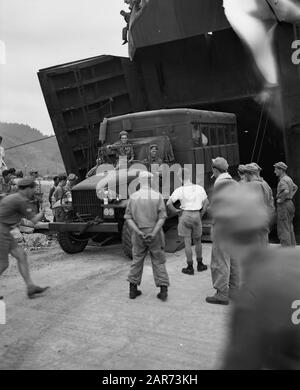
{"points": [[87, 321]]}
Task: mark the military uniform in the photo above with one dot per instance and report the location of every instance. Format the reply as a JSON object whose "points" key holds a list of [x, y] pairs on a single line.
{"points": [[145, 208], [260, 185], [123, 150], [224, 269], [12, 209], [286, 211]]}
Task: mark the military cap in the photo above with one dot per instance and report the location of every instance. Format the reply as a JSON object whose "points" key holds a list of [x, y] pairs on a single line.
{"points": [[145, 175], [26, 182], [281, 165], [153, 146], [62, 176], [241, 168], [257, 166], [220, 163], [72, 177], [123, 133], [251, 168]]}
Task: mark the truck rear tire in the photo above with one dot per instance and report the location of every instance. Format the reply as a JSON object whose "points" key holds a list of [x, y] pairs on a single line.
{"points": [[126, 240], [70, 244]]}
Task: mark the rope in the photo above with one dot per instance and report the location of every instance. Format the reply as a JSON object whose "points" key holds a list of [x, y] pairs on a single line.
{"points": [[258, 130], [262, 141], [31, 142]]}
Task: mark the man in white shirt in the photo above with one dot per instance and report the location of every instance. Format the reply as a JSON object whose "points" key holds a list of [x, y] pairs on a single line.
{"points": [[193, 205], [2, 155]]}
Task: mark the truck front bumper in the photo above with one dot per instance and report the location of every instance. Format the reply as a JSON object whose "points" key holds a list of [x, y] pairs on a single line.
{"points": [[104, 227]]}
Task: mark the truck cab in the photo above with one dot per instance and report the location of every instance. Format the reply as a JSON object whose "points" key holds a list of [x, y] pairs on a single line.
{"points": [[183, 137]]}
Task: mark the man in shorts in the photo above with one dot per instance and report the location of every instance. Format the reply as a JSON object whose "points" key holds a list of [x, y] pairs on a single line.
{"points": [[13, 208], [193, 205]]}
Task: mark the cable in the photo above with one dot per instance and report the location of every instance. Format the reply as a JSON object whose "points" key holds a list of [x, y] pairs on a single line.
{"points": [[258, 130], [31, 142]]}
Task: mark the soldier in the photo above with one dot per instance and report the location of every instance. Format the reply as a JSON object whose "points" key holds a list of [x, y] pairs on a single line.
{"points": [[126, 16], [263, 334], [123, 148], [224, 269], [71, 181], [6, 184], [241, 173], [58, 196], [52, 190], [153, 158], [262, 187], [146, 214], [286, 191], [12, 209], [193, 206]]}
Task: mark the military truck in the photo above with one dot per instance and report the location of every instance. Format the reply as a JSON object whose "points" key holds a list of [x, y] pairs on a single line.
{"points": [[183, 136]]}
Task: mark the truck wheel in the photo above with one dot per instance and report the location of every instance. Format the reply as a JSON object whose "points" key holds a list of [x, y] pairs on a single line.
{"points": [[70, 244], [126, 240]]}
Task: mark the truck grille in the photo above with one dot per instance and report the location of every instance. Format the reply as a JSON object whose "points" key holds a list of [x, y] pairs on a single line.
{"points": [[85, 202]]}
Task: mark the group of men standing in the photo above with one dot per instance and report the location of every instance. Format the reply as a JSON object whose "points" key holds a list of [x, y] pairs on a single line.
{"points": [[146, 214]]}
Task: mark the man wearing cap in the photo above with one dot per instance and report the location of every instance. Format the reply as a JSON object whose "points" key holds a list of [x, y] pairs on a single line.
{"points": [[52, 190], [286, 191], [193, 206], [146, 214], [264, 330], [123, 148], [71, 181], [224, 269], [153, 158], [264, 190], [58, 196], [241, 173], [12, 209]]}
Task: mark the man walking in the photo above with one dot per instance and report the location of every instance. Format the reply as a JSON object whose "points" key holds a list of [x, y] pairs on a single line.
{"points": [[12, 209], [193, 206], [224, 269], [146, 214], [286, 191]]}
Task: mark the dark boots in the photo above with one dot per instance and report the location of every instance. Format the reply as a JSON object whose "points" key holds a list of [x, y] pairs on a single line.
{"points": [[200, 266], [189, 270], [133, 291], [163, 295]]}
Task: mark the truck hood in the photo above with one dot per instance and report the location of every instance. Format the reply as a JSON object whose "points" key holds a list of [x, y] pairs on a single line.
{"points": [[102, 181]]}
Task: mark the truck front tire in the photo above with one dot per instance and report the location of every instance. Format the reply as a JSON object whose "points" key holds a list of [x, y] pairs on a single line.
{"points": [[70, 244], [126, 240]]}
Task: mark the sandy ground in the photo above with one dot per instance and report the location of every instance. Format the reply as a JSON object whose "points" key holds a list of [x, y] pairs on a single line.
{"points": [[87, 321]]}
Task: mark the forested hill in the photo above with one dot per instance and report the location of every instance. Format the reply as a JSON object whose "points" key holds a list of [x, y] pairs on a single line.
{"points": [[43, 156]]}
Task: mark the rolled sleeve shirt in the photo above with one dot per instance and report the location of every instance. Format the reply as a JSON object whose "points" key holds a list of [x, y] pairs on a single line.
{"points": [[191, 197], [286, 184], [13, 208]]}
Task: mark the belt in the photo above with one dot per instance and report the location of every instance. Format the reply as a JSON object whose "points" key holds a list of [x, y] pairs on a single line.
{"points": [[192, 211]]}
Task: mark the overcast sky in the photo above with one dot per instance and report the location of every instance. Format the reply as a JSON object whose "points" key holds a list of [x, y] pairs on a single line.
{"points": [[42, 33]]}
